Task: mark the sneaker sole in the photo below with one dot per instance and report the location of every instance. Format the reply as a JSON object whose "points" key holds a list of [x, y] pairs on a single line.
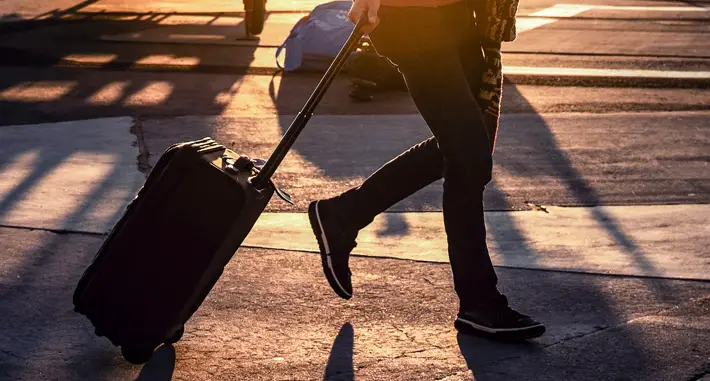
{"points": [[314, 218], [507, 334]]}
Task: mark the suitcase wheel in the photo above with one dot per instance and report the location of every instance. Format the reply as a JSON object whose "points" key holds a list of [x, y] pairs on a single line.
{"points": [[176, 336], [136, 356]]}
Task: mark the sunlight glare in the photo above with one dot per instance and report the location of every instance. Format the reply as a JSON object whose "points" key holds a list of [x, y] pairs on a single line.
{"points": [[108, 94], [16, 171], [54, 198], [154, 93], [39, 91], [97, 58], [165, 59]]}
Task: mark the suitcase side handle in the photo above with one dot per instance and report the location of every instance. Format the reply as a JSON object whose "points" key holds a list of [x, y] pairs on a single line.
{"points": [[299, 123]]}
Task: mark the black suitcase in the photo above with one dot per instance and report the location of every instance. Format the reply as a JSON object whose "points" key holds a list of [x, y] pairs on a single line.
{"points": [[171, 245]]}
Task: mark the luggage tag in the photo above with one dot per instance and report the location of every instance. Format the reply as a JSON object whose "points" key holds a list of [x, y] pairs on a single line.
{"points": [[259, 165]]}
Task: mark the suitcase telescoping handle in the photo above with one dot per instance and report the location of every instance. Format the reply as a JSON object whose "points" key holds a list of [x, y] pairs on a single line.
{"points": [[299, 123]]}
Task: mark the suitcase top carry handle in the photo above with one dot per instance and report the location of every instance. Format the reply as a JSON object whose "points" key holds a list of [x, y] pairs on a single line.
{"points": [[299, 123]]}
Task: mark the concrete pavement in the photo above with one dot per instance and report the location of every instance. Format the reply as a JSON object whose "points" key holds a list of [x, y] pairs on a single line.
{"points": [[71, 176], [648, 241], [79, 176], [601, 183], [273, 317], [556, 159], [546, 159]]}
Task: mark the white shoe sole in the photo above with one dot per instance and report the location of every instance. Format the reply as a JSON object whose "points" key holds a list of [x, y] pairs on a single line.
{"points": [[325, 252]]}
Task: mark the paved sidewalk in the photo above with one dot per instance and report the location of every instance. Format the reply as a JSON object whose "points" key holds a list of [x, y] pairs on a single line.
{"points": [[540, 160], [598, 215], [649, 241], [272, 316]]}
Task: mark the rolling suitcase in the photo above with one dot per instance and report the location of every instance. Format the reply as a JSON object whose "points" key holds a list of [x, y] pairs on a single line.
{"points": [[170, 247]]}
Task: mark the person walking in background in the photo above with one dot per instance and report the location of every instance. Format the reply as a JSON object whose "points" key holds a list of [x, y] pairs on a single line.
{"points": [[451, 62]]}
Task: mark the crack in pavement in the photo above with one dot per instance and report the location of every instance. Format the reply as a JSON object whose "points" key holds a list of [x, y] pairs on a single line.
{"points": [[537, 207], [143, 153], [585, 334], [414, 340], [54, 231], [407, 353], [607, 328], [404, 354], [625, 323]]}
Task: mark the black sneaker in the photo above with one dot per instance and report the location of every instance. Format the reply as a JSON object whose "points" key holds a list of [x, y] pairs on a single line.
{"points": [[335, 245], [498, 321]]}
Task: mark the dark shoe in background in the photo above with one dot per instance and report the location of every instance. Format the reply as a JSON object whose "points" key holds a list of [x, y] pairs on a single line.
{"points": [[371, 73]]}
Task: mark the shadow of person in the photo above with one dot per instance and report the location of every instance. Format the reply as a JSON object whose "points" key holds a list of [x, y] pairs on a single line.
{"points": [[479, 351], [160, 367], [340, 361]]}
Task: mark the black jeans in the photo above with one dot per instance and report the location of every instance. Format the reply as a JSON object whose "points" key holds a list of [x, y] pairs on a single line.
{"points": [[437, 52]]}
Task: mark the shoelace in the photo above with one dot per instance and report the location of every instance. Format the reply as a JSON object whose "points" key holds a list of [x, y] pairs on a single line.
{"points": [[511, 313], [505, 310]]}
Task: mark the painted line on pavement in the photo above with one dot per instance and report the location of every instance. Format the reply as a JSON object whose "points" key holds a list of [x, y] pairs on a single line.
{"points": [[645, 8], [549, 15], [606, 73], [572, 10]]}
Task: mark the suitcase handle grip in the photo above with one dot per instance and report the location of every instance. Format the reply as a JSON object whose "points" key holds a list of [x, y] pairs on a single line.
{"points": [[299, 123]]}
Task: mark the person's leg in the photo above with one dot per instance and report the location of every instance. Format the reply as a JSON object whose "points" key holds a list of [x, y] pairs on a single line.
{"points": [[415, 168], [336, 221], [438, 84], [436, 76], [398, 179], [426, 45]]}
